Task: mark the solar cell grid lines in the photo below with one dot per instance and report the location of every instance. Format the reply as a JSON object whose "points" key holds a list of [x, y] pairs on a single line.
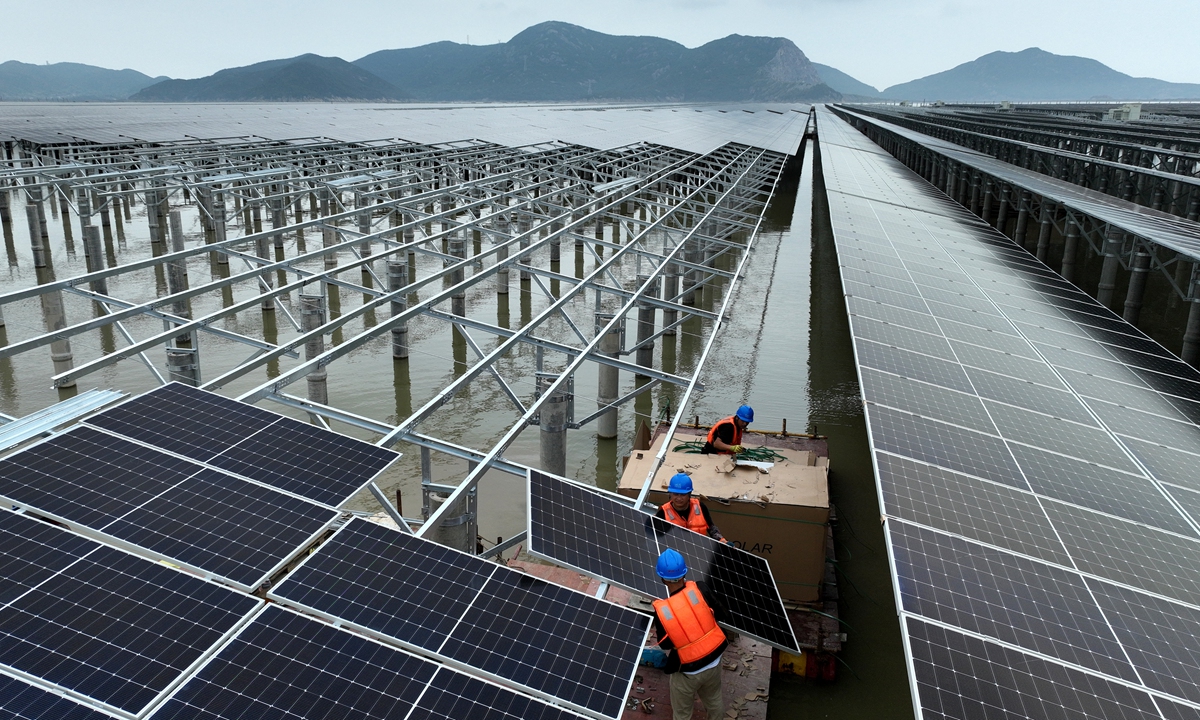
{"points": [[284, 665], [309, 462], [162, 506], [1039, 517], [519, 630], [22, 701], [562, 529], [105, 626]]}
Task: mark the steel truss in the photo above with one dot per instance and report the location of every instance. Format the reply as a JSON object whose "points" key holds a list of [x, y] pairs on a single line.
{"points": [[665, 232]]}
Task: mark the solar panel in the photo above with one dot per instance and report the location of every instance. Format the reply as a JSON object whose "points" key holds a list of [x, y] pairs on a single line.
{"points": [[161, 505], [284, 665], [605, 537], [102, 624], [1043, 520], [287, 454], [517, 629], [21, 701]]}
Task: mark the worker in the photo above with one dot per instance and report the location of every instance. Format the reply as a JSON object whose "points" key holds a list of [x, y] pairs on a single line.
{"points": [[686, 511], [686, 627], [725, 436]]}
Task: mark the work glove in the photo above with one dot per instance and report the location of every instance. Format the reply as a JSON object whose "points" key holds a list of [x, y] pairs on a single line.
{"points": [[738, 449]]}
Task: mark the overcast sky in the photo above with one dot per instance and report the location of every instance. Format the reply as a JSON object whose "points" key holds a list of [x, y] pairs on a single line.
{"points": [[881, 42]]}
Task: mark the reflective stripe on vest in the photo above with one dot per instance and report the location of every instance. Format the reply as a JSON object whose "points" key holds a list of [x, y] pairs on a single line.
{"points": [[737, 433], [695, 519], [690, 624]]}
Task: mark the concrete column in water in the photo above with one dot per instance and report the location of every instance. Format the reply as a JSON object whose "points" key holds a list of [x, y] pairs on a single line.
{"points": [[1070, 249], [93, 250], [502, 256], [523, 228], [1022, 219], [985, 213], [397, 271], [182, 366], [1138, 270], [670, 290], [218, 211], [177, 278], [555, 241], [1191, 335], [1114, 240], [458, 301], [553, 433], [263, 249], [645, 326], [312, 316], [40, 253], [609, 377], [1043, 244], [364, 226], [1002, 212]]}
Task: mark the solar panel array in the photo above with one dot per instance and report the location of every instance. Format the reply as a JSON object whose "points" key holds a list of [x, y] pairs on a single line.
{"points": [[298, 458], [284, 665], [605, 537], [130, 494], [1035, 456], [516, 628], [701, 128], [98, 623]]}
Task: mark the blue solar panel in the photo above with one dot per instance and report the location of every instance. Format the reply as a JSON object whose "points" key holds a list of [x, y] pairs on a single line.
{"points": [[21, 701], [106, 625], [284, 665], [307, 461], [481, 615], [608, 538], [167, 506]]}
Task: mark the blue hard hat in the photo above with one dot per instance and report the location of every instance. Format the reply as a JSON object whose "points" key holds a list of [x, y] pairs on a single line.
{"points": [[680, 483], [671, 565], [746, 414]]}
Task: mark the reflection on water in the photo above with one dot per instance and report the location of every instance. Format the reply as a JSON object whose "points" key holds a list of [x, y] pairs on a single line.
{"points": [[872, 677]]}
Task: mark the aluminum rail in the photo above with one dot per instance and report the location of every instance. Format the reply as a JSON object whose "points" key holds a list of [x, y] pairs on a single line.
{"points": [[474, 476]]}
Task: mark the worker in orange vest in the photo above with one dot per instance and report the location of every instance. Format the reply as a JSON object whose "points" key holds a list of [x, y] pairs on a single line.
{"points": [[686, 511], [725, 436], [686, 627]]}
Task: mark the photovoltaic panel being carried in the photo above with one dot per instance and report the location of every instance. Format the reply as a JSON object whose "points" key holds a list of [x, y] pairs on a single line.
{"points": [[481, 617], [287, 454], [604, 536]]}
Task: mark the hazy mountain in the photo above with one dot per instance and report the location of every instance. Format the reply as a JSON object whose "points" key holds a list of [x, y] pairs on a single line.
{"points": [[843, 83], [68, 81], [1035, 74], [557, 61], [307, 77]]}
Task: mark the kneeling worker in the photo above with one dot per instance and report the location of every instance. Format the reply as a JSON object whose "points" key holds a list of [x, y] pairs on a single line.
{"points": [[686, 511], [686, 627], [725, 436]]}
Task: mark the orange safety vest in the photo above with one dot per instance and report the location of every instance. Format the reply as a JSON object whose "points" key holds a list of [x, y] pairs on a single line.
{"points": [[689, 623], [694, 521], [737, 434]]}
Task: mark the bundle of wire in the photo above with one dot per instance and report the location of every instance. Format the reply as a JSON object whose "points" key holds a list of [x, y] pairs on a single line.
{"points": [[758, 454]]}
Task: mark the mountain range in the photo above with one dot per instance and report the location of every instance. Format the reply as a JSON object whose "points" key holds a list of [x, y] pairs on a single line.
{"points": [[559, 62], [1034, 74]]}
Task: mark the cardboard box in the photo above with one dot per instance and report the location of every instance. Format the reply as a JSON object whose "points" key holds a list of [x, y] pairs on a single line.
{"points": [[780, 515]]}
